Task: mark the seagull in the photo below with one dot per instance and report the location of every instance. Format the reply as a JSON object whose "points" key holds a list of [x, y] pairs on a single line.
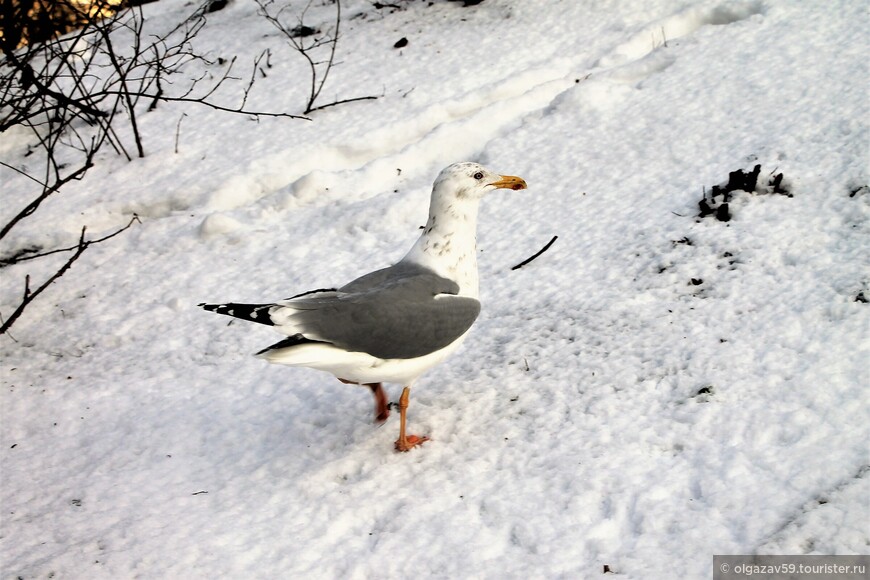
{"points": [[393, 324]]}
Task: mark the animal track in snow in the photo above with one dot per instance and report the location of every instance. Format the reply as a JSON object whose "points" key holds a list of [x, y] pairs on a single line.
{"points": [[440, 134], [639, 57], [446, 131]]}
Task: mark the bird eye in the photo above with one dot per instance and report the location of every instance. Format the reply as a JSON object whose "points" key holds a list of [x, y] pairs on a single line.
{"points": [[478, 175]]}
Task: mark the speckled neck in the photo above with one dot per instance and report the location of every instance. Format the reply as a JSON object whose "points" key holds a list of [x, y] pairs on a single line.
{"points": [[448, 244]]}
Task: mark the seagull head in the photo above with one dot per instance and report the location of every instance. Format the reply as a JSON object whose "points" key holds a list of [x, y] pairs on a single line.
{"points": [[467, 180]]}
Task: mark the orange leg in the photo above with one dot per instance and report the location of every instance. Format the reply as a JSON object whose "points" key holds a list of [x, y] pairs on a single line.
{"points": [[382, 406], [406, 442]]}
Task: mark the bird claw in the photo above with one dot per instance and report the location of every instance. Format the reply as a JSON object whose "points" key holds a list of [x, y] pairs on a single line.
{"points": [[409, 442]]}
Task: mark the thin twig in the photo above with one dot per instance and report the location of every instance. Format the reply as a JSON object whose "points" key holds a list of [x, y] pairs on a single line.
{"points": [[9, 262], [33, 205], [29, 296], [318, 69], [214, 106], [341, 102], [538, 253], [79, 250], [331, 60], [178, 130], [30, 77]]}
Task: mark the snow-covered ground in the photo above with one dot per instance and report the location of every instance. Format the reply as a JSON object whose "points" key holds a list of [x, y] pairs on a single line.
{"points": [[654, 389]]}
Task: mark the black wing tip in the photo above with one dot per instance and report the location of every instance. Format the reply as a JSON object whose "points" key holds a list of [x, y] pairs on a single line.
{"points": [[251, 312]]}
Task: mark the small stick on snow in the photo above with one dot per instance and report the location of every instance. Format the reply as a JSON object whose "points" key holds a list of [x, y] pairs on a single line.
{"points": [[541, 251], [178, 130]]}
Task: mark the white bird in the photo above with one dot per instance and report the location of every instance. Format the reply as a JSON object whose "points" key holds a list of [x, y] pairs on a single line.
{"points": [[393, 324]]}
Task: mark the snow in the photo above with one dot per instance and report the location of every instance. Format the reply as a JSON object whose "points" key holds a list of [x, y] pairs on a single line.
{"points": [[605, 409]]}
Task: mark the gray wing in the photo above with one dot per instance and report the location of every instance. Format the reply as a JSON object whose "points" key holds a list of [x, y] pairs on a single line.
{"points": [[398, 272], [403, 311]]}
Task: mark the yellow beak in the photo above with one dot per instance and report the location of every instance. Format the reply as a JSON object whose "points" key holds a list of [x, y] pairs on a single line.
{"points": [[509, 182]]}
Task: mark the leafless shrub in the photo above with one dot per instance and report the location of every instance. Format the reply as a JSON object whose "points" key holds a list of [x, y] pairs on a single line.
{"points": [[316, 47], [77, 93]]}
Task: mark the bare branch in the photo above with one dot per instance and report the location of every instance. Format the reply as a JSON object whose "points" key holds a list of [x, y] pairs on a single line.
{"points": [[341, 102], [216, 107], [47, 191], [79, 249], [331, 60], [16, 260], [318, 68]]}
